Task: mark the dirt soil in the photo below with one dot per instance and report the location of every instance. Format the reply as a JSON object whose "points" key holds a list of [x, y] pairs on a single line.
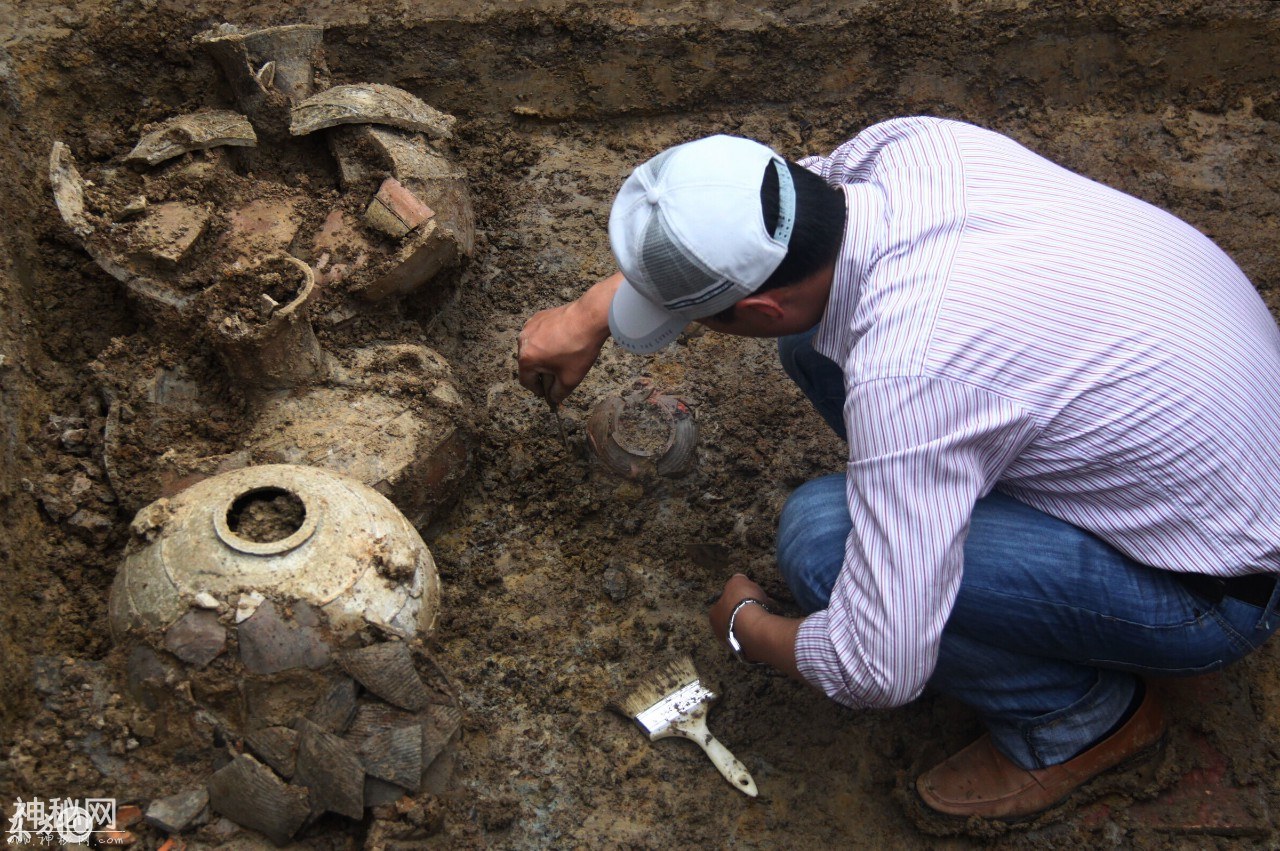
{"points": [[563, 584]]}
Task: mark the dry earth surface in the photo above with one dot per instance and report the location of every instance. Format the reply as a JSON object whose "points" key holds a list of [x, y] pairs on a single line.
{"points": [[563, 584]]}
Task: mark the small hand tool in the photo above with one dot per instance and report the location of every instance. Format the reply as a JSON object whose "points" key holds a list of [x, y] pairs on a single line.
{"points": [[546, 380], [672, 701]]}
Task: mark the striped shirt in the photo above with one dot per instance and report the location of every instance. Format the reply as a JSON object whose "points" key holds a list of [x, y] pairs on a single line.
{"points": [[1006, 324]]}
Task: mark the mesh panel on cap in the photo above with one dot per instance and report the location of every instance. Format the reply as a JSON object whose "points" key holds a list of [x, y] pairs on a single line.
{"points": [[675, 276], [657, 163]]}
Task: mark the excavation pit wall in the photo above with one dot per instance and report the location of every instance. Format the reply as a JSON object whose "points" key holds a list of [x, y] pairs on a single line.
{"points": [[563, 584]]}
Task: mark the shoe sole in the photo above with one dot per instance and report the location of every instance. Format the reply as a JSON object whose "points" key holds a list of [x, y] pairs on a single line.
{"points": [[1140, 776]]}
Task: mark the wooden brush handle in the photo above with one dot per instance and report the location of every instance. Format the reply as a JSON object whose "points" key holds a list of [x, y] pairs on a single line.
{"points": [[695, 729]]}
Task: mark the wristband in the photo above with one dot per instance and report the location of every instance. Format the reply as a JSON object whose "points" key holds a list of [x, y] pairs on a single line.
{"points": [[734, 644]]}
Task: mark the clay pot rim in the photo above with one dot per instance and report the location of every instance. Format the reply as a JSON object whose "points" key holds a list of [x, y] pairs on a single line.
{"points": [[310, 520]]}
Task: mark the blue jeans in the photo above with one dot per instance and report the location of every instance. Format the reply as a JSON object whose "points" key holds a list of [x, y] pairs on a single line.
{"points": [[1052, 627]]}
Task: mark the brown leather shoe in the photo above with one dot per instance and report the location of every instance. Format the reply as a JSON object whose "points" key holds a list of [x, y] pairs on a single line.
{"points": [[981, 781]]}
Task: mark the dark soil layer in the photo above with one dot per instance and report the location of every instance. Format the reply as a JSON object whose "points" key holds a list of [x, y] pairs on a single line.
{"points": [[563, 585]]}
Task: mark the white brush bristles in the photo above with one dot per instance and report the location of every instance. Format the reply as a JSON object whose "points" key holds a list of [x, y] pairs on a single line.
{"points": [[670, 678]]}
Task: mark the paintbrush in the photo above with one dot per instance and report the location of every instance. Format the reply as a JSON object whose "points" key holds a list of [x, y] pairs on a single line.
{"points": [[672, 701]]}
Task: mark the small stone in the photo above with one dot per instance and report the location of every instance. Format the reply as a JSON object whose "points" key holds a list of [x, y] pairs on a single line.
{"points": [[80, 485], [89, 524], [205, 600], [247, 605], [176, 812], [56, 506], [222, 828], [616, 584], [196, 638], [46, 675], [74, 437], [128, 815], [134, 208]]}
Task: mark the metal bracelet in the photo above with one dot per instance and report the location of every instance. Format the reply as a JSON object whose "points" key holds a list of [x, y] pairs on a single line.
{"points": [[734, 644]]}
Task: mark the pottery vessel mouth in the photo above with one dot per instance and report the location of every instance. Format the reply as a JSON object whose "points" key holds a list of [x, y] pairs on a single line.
{"points": [[227, 529]]}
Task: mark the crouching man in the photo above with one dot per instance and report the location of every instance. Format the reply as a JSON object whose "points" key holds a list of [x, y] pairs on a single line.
{"points": [[1062, 410]]}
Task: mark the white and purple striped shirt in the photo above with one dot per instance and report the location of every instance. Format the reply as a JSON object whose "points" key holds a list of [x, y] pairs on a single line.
{"points": [[1005, 323]]}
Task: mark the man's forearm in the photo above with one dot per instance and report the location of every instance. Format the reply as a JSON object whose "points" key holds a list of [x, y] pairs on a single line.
{"points": [[591, 308], [769, 638]]}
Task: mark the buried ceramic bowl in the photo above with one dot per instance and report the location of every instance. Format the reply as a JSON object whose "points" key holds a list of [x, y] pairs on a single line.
{"points": [[642, 431]]}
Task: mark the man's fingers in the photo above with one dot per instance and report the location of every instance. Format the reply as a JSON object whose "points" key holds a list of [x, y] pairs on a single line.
{"points": [[547, 387]]}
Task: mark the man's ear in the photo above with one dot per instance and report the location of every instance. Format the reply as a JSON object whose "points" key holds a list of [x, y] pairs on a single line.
{"points": [[766, 304]]}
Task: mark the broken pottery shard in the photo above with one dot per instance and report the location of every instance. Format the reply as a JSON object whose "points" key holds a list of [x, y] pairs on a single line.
{"points": [[387, 670], [403, 204], [266, 75], [264, 226], [439, 723], [337, 708], [167, 232], [68, 193], [437, 778], [429, 250], [395, 210], [176, 812], [373, 717], [197, 638], [68, 189], [330, 768], [148, 677], [248, 793], [395, 756], [195, 131], [367, 153], [267, 68], [277, 747], [269, 644], [269, 350], [369, 103], [378, 793]]}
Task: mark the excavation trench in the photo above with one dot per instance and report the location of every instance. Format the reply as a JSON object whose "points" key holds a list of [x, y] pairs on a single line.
{"points": [[563, 583]]}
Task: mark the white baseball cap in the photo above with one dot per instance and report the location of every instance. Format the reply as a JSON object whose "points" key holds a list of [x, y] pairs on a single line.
{"points": [[688, 232]]}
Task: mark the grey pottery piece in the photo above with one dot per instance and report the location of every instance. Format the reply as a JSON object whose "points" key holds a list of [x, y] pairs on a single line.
{"points": [[195, 131], [369, 103]]}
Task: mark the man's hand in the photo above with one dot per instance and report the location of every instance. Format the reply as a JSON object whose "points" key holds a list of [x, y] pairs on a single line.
{"points": [[737, 589], [764, 637], [563, 342]]}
